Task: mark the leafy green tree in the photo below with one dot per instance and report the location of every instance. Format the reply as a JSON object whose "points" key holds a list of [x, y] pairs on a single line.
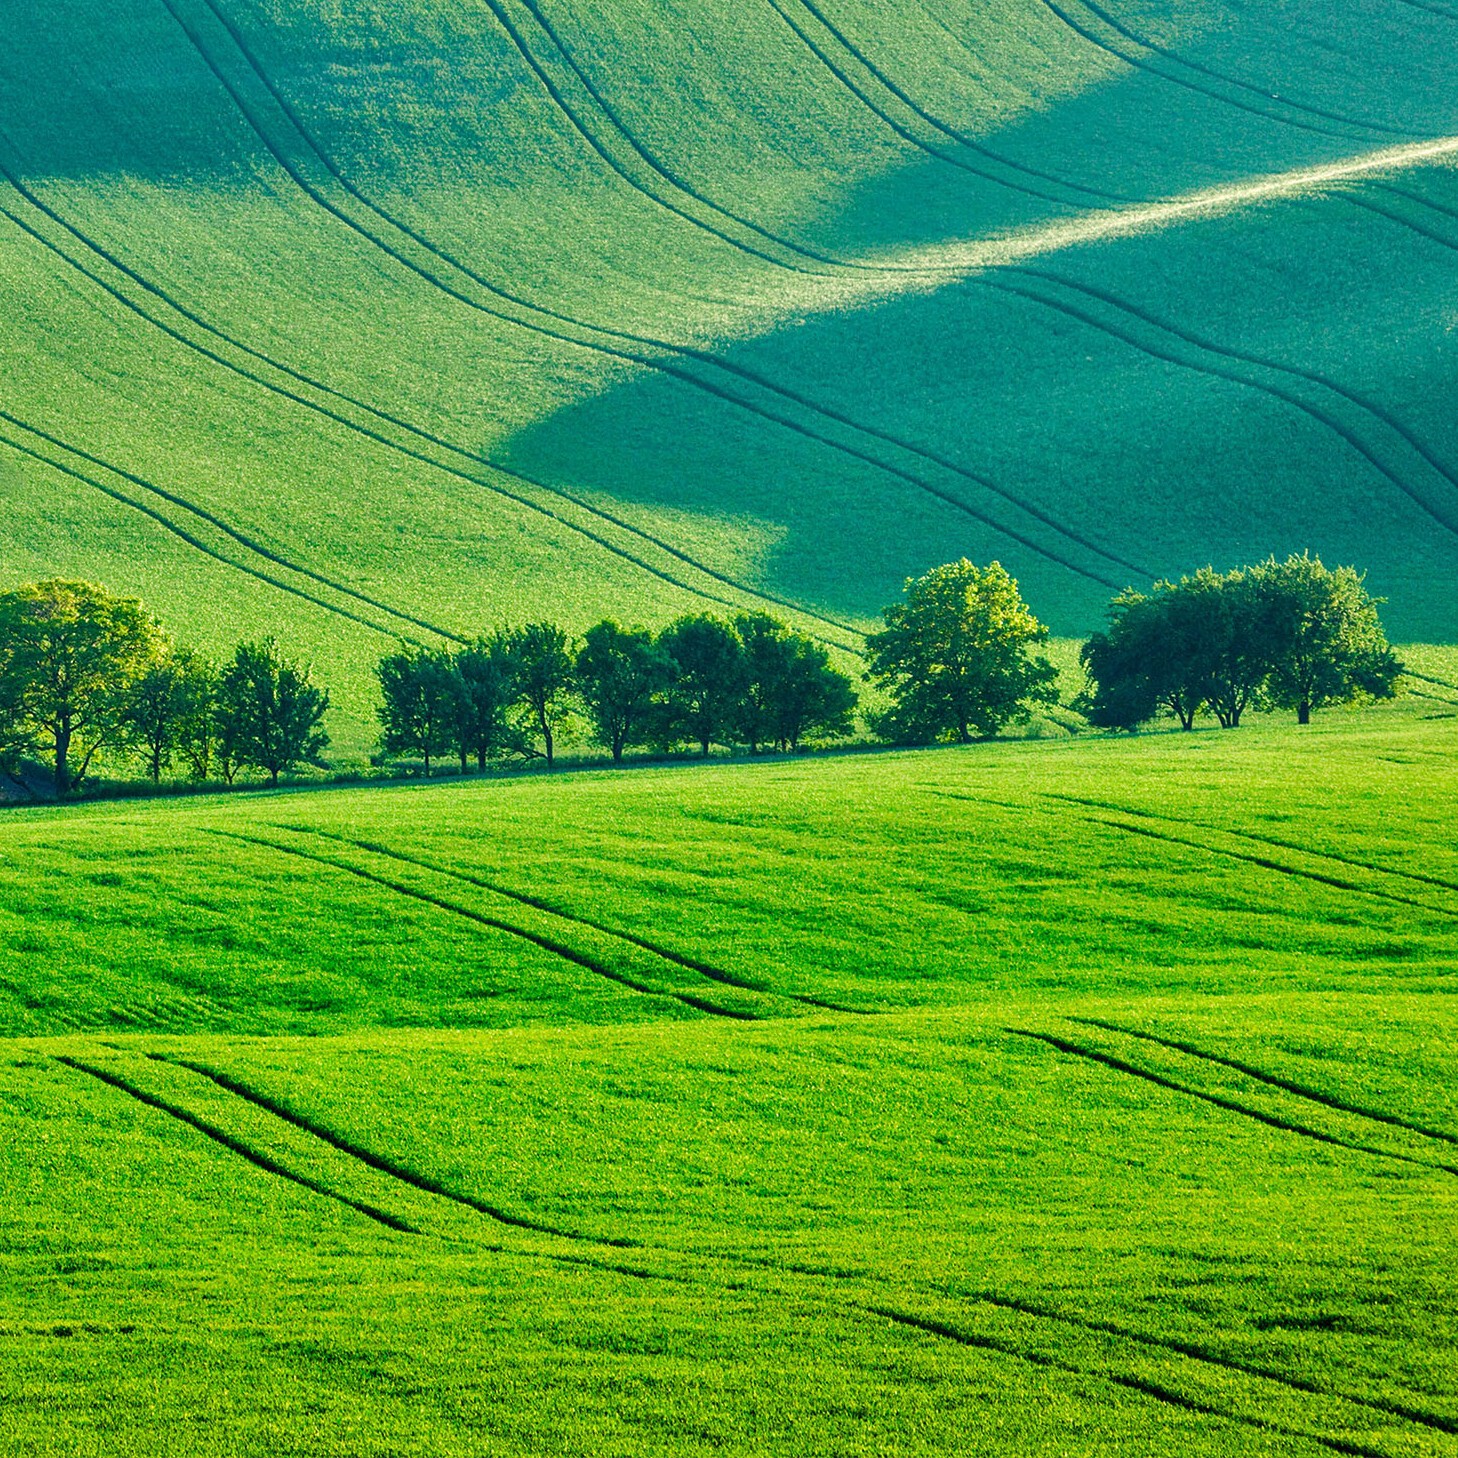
{"points": [[15, 738], [622, 675], [1324, 641], [1151, 660], [955, 656], [709, 679], [791, 689], [269, 714], [73, 655], [422, 692], [197, 737], [165, 708], [483, 729], [543, 679], [1228, 642]]}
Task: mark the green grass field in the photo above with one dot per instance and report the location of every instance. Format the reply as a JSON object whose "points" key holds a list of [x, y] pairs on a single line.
{"points": [[349, 321], [1082, 1097], [1079, 1096]]}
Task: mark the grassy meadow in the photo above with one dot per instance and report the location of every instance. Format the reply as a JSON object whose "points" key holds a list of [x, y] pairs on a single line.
{"points": [[1075, 1096], [1078, 1097]]}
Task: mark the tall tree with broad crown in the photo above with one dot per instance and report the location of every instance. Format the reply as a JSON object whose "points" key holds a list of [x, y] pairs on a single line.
{"points": [[1325, 643], [955, 656], [73, 655]]}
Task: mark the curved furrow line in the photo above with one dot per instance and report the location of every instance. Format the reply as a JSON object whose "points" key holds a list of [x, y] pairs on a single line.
{"points": [[1152, 1390], [704, 969], [181, 532], [1114, 24], [1141, 63], [1431, 8], [380, 1163], [654, 163], [243, 540], [644, 341], [1198, 1353], [1234, 377], [544, 943], [418, 432], [1402, 220], [1417, 877], [1219, 1101], [905, 133], [559, 100], [431, 277], [1315, 1096], [952, 134], [1301, 372], [395, 1169], [1335, 882], [256, 1157]]}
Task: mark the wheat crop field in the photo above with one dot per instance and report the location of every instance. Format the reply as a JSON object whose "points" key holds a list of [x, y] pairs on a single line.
{"points": [[1082, 1094]]}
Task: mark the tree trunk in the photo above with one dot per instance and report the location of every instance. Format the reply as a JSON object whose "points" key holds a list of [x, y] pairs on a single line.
{"points": [[618, 749], [273, 777], [547, 740], [481, 760], [63, 766], [427, 764], [705, 743], [1303, 712]]}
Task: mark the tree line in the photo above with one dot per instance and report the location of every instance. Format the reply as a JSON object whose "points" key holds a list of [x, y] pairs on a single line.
{"points": [[1290, 635], [704, 680], [85, 674]]}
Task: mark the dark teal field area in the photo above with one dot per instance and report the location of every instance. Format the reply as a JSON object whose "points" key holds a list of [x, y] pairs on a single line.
{"points": [[347, 321], [1039, 1098]]}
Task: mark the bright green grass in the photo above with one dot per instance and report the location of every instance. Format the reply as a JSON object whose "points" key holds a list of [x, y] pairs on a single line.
{"points": [[1087, 425], [805, 1178]]}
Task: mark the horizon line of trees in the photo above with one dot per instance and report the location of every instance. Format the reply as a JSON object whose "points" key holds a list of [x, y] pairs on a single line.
{"points": [[1279, 635], [85, 674], [702, 680]]}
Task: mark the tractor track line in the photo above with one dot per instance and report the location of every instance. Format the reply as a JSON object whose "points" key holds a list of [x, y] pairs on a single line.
{"points": [[906, 135], [546, 944], [377, 1162], [1197, 1353], [174, 499], [704, 969], [1234, 377], [186, 536], [1431, 8], [1329, 1101], [951, 133], [1415, 876], [1141, 63], [1118, 26], [392, 1169], [649, 361], [648, 157], [1418, 197], [1324, 880], [1132, 1384], [236, 1146], [1402, 220], [385, 1165], [575, 122], [1241, 356], [417, 431], [1219, 1101]]}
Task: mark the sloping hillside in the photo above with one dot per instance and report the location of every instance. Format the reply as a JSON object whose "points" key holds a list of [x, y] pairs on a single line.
{"points": [[352, 320]]}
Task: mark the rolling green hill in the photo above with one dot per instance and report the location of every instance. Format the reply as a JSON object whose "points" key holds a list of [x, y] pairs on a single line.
{"points": [[1079, 1098], [349, 321]]}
